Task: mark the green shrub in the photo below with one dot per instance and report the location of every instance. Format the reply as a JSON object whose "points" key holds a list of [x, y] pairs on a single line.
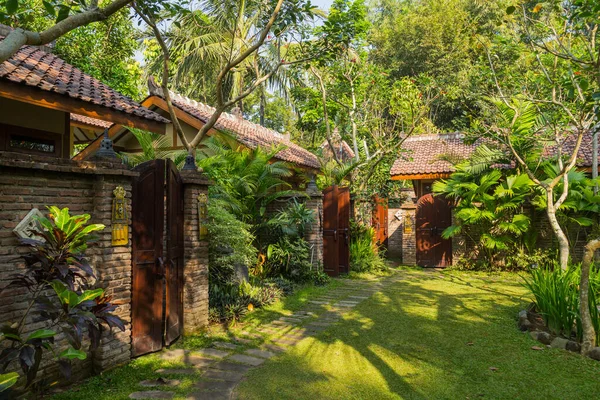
{"points": [[288, 258], [286, 286], [556, 294], [365, 256], [230, 244]]}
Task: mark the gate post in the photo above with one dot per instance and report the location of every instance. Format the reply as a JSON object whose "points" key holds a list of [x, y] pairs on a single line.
{"points": [[313, 234], [195, 257]]}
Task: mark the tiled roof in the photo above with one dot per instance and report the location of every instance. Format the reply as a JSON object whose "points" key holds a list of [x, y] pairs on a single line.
{"points": [[342, 148], [422, 154], [247, 133], [584, 156], [33, 67], [98, 123]]}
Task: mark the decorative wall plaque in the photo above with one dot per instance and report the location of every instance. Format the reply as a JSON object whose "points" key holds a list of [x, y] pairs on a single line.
{"points": [[408, 224], [120, 227], [24, 229], [202, 216]]}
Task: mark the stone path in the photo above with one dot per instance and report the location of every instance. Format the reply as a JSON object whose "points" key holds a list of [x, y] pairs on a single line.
{"points": [[225, 364]]}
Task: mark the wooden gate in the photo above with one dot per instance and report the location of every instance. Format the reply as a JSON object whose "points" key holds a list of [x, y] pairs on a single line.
{"points": [[157, 306], [379, 220], [336, 230], [433, 216]]}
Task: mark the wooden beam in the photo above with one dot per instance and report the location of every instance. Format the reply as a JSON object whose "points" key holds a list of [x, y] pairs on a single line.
{"points": [[95, 144], [68, 104], [405, 177], [87, 126]]}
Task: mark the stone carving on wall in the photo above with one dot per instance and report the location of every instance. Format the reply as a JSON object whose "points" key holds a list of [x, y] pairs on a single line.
{"points": [[24, 229]]}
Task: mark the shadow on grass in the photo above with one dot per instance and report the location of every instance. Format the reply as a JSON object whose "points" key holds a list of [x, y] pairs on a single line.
{"points": [[425, 338]]}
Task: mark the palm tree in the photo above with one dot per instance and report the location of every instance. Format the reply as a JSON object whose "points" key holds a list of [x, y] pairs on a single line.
{"points": [[153, 147]]}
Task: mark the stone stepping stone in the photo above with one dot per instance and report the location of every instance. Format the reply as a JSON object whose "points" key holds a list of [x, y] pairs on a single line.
{"points": [[160, 382], [215, 385], [285, 342], [172, 354], [359, 297], [274, 348], [251, 335], [176, 371], [260, 353], [225, 345], [229, 366], [199, 361], [318, 302], [152, 394], [244, 359], [290, 319], [229, 376], [215, 353], [318, 323], [212, 395], [244, 341]]}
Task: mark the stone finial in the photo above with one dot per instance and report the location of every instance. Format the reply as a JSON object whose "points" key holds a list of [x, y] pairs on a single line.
{"points": [[106, 147], [311, 188]]}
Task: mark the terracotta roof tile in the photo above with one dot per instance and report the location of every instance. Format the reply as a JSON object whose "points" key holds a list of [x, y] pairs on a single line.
{"points": [[422, 154], [98, 123], [247, 133], [584, 156], [34, 67]]}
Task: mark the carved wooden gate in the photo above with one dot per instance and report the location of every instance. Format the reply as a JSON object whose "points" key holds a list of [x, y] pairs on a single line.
{"points": [[336, 230], [432, 217], [379, 220], [157, 292]]}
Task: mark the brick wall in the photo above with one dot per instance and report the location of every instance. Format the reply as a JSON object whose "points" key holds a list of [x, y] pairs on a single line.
{"points": [[195, 292], [33, 182], [28, 182]]}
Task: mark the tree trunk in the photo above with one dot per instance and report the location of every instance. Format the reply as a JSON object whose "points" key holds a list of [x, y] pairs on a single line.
{"points": [[563, 242], [589, 334]]}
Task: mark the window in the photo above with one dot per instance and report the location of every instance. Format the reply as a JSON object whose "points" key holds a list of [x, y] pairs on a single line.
{"points": [[32, 144]]}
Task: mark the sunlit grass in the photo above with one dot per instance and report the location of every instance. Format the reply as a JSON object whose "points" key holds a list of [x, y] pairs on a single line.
{"points": [[430, 336]]}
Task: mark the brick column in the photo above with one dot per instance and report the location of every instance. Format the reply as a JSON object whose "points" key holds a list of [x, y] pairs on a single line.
{"points": [[409, 236], [314, 233], [195, 272], [113, 270]]}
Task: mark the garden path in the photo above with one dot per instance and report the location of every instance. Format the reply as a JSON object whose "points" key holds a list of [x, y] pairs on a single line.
{"points": [[225, 364]]}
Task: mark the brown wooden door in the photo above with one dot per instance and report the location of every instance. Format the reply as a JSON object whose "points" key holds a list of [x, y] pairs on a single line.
{"points": [[174, 256], [379, 220], [344, 229], [331, 254], [147, 246], [336, 230], [432, 217]]}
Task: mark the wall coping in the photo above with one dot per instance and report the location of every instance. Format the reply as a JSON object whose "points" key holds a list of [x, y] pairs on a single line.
{"points": [[194, 178], [29, 161]]}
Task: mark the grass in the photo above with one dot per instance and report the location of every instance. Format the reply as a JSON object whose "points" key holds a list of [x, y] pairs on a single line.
{"points": [[120, 382], [432, 335]]}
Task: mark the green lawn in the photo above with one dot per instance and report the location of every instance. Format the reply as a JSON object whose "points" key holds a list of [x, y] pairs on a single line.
{"points": [[429, 336]]}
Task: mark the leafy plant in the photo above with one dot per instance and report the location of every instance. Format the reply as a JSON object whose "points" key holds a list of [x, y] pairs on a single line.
{"points": [[229, 244], [289, 257], [556, 294], [364, 253], [56, 278], [293, 219]]}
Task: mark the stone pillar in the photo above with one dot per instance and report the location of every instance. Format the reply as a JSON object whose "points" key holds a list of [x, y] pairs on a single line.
{"points": [[113, 268], [195, 272], [314, 233], [409, 237]]}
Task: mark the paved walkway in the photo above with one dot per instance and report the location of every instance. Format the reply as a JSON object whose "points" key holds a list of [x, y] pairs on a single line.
{"points": [[225, 364]]}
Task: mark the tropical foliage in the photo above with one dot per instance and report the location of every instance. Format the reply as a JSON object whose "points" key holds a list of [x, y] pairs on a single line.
{"points": [[63, 299], [365, 256]]}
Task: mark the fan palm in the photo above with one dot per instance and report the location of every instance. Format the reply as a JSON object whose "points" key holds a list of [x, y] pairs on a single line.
{"points": [[153, 146]]}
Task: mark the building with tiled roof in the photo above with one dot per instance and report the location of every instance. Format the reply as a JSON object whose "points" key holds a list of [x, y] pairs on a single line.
{"points": [[422, 156], [39, 93], [342, 149], [193, 115]]}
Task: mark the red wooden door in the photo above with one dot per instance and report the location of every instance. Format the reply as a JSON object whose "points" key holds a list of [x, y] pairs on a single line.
{"points": [[174, 256], [331, 254], [336, 230], [379, 220], [147, 246], [344, 229], [432, 217]]}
